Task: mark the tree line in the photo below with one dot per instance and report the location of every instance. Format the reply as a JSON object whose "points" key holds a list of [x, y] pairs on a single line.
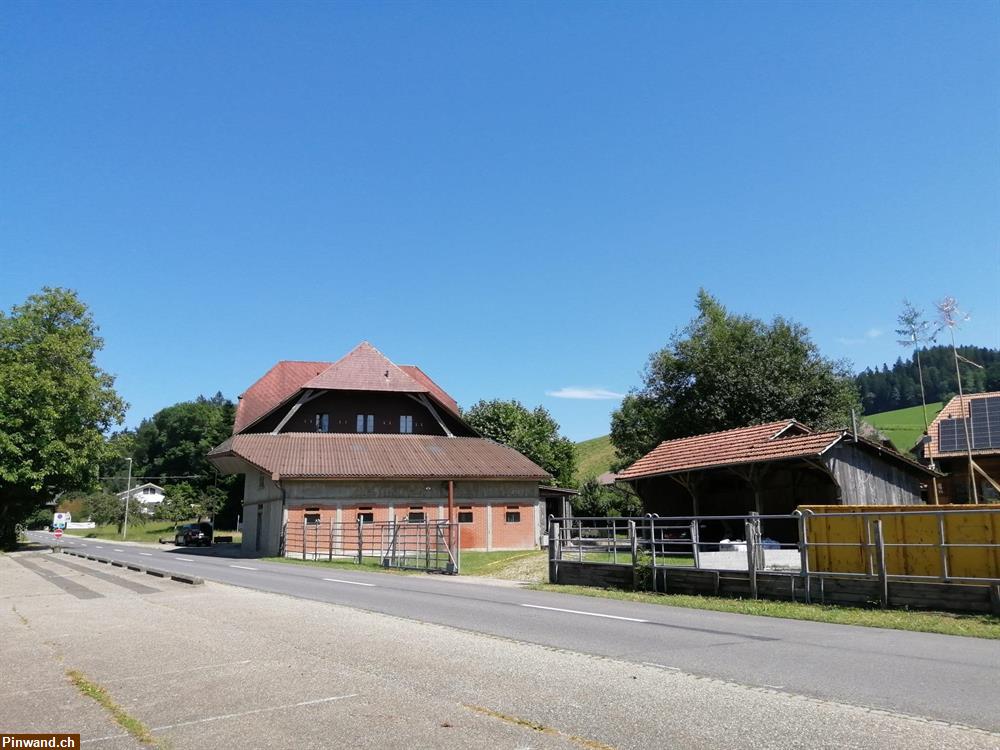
{"points": [[898, 387]]}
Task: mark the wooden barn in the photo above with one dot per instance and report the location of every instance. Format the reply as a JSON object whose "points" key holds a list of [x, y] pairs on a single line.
{"points": [[771, 469]]}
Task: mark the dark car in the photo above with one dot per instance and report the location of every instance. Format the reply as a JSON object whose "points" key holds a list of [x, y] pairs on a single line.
{"points": [[194, 535]]}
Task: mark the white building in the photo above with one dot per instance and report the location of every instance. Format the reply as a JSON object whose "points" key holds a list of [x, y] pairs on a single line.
{"points": [[149, 494]]}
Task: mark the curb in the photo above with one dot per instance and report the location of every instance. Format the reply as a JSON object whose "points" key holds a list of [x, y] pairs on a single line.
{"points": [[180, 577]]}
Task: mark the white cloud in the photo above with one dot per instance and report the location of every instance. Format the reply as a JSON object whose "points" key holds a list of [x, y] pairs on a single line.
{"points": [[870, 335], [588, 394]]}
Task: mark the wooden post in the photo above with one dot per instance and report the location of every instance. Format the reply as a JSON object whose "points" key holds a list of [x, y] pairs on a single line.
{"points": [[303, 537], [883, 578], [695, 544], [360, 522], [748, 533], [634, 544]]}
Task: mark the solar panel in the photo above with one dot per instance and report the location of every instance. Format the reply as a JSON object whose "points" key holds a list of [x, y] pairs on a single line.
{"points": [[983, 424]]}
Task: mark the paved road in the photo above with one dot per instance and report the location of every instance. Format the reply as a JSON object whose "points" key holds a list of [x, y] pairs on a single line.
{"points": [[940, 677]]}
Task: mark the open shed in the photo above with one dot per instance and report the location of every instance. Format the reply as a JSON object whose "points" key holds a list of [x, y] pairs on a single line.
{"points": [[771, 469]]}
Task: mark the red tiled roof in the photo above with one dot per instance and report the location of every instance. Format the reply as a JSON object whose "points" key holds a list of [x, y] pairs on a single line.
{"points": [[365, 368], [955, 409], [361, 369], [371, 456], [739, 446], [280, 382]]}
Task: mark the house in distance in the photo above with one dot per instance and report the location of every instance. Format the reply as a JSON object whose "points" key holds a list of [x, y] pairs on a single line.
{"points": [[972, 419], [364, 438]]}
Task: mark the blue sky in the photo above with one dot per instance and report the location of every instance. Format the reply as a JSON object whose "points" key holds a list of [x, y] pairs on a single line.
{"points": [[521, 197]]}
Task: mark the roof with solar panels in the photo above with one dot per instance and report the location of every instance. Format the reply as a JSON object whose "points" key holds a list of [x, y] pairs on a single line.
{"points": [[976, 415]]}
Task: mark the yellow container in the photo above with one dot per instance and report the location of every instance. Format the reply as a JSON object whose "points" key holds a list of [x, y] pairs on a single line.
{"points": [[905, 525]]}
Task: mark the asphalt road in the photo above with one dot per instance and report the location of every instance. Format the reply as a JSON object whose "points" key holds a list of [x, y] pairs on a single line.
{"points": [[940, 677]]}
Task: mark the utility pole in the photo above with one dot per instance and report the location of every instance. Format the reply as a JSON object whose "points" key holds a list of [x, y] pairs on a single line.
{"points": [[128, 493]]}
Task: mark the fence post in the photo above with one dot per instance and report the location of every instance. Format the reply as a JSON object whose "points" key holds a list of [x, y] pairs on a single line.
{"points": [[614, 542], [695, 544], [652, 547], [303, 538], [579, 540], [634, 545], [554, 552], [944, 548], [360, 522], [883, 578], [804, 555], [427, 544], [751, 557], [329, 547]]}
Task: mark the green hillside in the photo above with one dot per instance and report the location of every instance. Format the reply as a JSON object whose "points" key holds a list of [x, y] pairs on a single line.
{"points": [[903, 426], [594, 457]]}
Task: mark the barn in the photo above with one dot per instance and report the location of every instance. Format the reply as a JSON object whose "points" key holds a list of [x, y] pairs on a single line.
{"points": [[329, 444]]}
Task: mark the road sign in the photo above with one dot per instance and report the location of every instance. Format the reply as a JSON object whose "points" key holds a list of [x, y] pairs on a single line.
{"points": [[58, 533]]}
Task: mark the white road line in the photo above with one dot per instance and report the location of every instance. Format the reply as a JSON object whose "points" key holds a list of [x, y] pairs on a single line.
{"points": [[661, 666], [589, 614], [146, 554], [118, 550], [230, 716], [99, 547], [185, 559], [353, 583], [242, 567]]}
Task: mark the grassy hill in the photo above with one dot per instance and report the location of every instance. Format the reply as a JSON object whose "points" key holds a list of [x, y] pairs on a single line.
{"points": [[903, 426], [594, 457]]}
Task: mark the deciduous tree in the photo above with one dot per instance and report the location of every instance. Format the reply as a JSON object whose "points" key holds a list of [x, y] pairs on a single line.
{"points": [[532, 432], [55, 404], [724, 371]]}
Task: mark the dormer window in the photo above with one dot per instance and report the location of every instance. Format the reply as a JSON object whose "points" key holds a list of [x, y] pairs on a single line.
{"points": [[406, 424], [322, 423], [366, 423]]}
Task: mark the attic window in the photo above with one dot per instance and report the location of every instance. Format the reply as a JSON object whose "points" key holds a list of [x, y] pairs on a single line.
{"points": [[406, 424], [322, 423], [366, 423]]}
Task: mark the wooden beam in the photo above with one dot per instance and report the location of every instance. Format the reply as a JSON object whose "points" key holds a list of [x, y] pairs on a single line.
{"points": [[986, 476], [422, 399], [305, 397]]}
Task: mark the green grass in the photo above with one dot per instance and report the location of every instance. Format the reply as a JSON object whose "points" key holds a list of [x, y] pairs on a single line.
{"points": [[150, 532], [904, 426], [129, 723], [491, 564], [624, 557], [594, 457], [975, 626]]}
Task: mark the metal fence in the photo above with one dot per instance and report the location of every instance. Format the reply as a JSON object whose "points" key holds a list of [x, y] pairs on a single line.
{"points": [[431, 545], [792, 545]]}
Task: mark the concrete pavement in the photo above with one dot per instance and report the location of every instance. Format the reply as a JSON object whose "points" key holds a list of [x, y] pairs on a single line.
{"points": [[218, 666], [940, 677]]}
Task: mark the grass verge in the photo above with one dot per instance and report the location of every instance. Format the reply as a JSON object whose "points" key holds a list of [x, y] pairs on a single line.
{"points": [[369, 565], [974, 626], [129, 723]]}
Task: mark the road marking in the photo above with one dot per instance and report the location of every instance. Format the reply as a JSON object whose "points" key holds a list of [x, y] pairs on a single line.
{"points": [[99, 547], [661, 666], [242, 567], [589, 614], [353, 583], [230, 716], [185, 559], [117, 550], [146, 554]]}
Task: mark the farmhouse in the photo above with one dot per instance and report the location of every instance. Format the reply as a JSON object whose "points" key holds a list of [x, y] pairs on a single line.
{"points": [[975, 418], [149, 494], [365, 439], [772, 469]]}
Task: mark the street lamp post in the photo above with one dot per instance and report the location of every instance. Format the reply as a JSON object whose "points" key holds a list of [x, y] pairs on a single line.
{"points": [[128, 493]]}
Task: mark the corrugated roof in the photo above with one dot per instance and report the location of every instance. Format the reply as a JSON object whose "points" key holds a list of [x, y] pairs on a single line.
{"points": [[277, 384], [955, 409], [372, 456], [765, 442]]}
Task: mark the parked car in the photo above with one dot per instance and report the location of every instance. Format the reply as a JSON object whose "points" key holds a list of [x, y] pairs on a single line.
{"points": [[194, 535]]}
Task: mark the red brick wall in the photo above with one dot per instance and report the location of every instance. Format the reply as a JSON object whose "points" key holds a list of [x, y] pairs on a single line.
{"points": [[520, 535]]}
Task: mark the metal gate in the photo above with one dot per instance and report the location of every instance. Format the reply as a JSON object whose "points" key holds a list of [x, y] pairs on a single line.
{"points": [[422, 546], [431, 546]]}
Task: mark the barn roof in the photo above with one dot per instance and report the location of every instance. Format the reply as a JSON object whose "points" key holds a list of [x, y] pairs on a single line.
{"points": [[374, 456], [773, 441], [364, 368]]}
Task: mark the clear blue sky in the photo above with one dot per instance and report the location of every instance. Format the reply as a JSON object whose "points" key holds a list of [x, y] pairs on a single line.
{"points": [[518, 197]]}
